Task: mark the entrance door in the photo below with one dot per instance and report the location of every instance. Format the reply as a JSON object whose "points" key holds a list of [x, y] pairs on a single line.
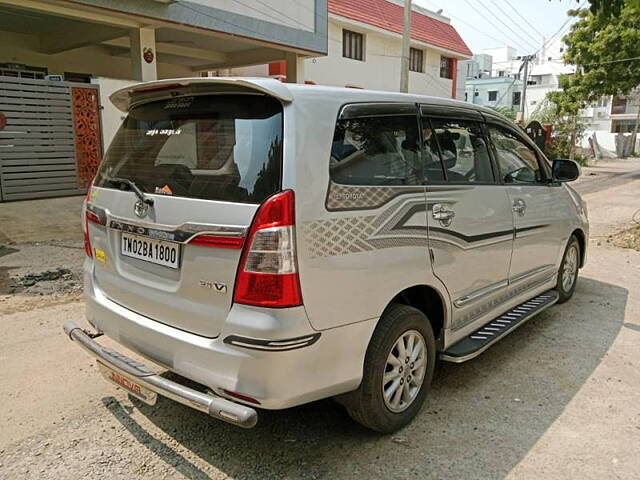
{"points": [[538, 208], [469, 214]]}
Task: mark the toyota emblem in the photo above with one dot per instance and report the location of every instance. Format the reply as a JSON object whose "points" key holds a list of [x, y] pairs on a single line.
{"points": [[141, 209]]}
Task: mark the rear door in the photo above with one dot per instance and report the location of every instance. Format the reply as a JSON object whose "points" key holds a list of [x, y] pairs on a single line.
{"points": [[538, 205], [469, 215], [206, 162]]}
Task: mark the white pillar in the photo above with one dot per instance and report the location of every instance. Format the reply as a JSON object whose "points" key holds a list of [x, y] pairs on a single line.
{"points": [[295, 68], [143, 54]]}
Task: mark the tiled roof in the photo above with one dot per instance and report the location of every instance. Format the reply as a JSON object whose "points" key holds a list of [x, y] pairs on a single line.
{"points": [[389, 16]]}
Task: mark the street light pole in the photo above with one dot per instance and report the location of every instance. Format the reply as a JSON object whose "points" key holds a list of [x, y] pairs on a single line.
{"points": [[406, 39]]}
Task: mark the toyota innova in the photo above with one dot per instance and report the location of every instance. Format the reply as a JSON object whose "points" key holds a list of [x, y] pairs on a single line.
{"points": [[276, 244]]}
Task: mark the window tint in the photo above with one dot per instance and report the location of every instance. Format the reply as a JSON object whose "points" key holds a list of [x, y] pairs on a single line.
{"points": [[463, 150], [518, 163], [376, 151], [224, 147]]}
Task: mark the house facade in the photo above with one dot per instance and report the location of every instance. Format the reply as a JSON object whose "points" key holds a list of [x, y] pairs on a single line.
{"points": [[494, 92], [61, 59], [499, 81], [364, 50]]}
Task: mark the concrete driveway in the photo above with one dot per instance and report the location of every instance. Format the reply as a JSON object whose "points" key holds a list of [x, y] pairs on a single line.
{"points": [[559, 398]]}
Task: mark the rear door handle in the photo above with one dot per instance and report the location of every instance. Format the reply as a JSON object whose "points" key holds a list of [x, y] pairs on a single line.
{"points": [[443, 213], [519, 206]]}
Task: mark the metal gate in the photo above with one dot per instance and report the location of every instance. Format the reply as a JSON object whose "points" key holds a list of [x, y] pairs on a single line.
{"points": [[51, 143]]}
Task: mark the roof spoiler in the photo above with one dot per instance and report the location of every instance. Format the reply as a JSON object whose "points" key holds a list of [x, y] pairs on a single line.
{"points": [[124, 98]]}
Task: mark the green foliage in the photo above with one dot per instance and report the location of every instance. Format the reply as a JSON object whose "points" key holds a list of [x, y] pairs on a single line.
{"points": [[508, 112], [566, 124], [545, 112], [609, 8], [602, 45]]}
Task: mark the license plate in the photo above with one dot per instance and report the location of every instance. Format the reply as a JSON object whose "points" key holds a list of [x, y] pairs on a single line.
{"points": [[129, 384], [151, 250]]}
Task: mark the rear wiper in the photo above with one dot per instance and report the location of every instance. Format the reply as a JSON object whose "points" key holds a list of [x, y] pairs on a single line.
{"points": [[125, 181]]}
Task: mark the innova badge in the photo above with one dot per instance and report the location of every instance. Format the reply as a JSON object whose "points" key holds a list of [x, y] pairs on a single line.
{"points": [[141, 209]]}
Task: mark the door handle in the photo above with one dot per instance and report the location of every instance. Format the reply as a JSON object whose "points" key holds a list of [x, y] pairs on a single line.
{"points": [[519, 206], [443, 213]]}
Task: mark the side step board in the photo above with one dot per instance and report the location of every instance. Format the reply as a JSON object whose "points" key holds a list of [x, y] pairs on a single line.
{"points": [[478, 341]]}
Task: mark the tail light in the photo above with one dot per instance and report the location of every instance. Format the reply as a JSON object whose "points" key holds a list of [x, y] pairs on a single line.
{"points": [[268, 273], [87, 242]]}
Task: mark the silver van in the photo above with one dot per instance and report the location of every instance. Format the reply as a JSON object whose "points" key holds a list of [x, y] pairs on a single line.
{"points": [[276, 244]]}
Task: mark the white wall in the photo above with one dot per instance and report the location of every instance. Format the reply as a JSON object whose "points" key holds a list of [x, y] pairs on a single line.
{"points": [[380, 69], [111, 117], [299, 13]]}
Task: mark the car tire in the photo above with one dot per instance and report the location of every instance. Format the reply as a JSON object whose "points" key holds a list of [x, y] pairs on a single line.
{"points": [[367, 405], [568, 272]]}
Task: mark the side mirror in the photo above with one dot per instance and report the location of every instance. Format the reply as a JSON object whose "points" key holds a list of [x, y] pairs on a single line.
{"points": [[565, 170]]}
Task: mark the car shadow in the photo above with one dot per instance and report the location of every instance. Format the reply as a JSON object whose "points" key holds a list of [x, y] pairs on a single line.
{"points": [[480, 418]]}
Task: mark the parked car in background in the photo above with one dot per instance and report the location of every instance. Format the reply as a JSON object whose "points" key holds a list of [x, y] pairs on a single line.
{"points": [[278, 244]]}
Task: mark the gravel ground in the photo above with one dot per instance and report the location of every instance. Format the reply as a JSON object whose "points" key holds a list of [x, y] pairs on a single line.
{"points": [[560, 398], [40, 273]]}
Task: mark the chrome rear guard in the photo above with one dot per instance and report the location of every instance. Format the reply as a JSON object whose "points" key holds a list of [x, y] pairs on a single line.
{"points": [[217, 407]]}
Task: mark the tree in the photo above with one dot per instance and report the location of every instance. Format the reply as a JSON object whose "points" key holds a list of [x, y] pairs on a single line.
{"points": [[610, 8], [604, 44], [568, 127], [568, 102]]}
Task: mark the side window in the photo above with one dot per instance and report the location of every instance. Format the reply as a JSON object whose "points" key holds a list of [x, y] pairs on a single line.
{"points": [[376, 151], [463, 149], [518, 163]]}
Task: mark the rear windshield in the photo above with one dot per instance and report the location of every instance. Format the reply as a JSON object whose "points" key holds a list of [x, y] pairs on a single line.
{"points": [[214, 147]]}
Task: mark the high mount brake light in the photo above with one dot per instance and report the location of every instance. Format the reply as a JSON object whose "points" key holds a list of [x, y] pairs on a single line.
{"points": [[268, 271]]}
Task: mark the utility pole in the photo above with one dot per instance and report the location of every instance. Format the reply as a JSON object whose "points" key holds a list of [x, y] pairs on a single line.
{"points": [[523, 98], [406, 39]]}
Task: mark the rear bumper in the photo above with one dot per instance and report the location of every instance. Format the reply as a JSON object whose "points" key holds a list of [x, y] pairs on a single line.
{"points": [[271, 355], [217, 407]]}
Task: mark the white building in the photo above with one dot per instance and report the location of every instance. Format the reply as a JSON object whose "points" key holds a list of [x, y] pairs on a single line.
{"points": [[544, 72], [60, 60], [364, 49]]}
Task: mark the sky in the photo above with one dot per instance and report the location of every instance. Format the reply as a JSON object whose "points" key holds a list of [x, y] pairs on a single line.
{"points": [[545, 17]]}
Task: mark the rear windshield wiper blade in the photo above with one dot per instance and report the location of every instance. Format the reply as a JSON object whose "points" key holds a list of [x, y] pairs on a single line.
{"points": [[129, 183]]}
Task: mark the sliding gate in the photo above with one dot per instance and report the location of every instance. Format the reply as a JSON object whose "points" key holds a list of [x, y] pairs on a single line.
{"points": [[50, 139]]}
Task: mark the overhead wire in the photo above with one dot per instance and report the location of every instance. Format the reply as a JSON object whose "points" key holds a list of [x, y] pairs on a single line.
{"points": [[458, 19], [525, 41], [508, 2], [562, 29], [611, 61], [518, 44]]}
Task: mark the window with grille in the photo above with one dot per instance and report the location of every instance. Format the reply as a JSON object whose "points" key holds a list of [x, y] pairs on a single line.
{"points": [[446, 67], [352, 45], [416, 60], [493, 95]]}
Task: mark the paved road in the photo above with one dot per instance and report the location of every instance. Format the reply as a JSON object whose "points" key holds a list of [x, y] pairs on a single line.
{"points": [[608, 174], [560, 398]]}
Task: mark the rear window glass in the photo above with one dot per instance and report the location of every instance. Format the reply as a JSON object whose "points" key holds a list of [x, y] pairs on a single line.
{"points": [[215, 147], [376, 151]]}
